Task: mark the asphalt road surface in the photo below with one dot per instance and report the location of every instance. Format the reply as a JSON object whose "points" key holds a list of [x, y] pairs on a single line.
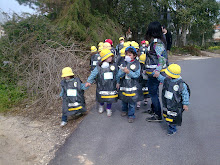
{"points": [[102, 140]]}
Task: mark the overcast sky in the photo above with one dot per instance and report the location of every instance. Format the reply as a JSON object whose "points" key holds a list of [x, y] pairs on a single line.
{"points": [[10, 6]]}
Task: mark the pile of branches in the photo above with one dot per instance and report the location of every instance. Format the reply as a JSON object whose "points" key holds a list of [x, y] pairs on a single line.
{"points": [[41, 72]]}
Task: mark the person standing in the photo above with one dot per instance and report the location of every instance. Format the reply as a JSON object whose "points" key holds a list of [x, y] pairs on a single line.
{"points": [[168, 37], [156, 62], [120, 46]]}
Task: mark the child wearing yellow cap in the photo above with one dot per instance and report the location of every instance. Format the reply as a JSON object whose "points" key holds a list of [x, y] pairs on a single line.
{"points": [[175, 97], [105, 75], [143, 81], [120, 46], [72, 93], [95, 57]]}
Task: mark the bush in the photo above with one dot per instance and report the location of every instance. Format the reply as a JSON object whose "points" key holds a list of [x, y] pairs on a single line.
{"points": [[214, 48], [186, 50]]}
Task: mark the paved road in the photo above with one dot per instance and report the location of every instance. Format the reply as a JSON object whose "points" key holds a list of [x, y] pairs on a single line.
{"points": [[102, 140]]}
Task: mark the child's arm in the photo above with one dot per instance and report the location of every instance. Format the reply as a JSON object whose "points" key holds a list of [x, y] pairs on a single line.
{"points": [[132, 74], [91, 77], [185, 97], [61, 93], [83, 86], [161, 78], [119, 75]]}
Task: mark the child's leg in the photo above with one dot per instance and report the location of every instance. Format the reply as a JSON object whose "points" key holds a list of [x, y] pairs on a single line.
{"points": [[138, 105], [109, 105], [64, 118], [124, 108], [131, 109], [101, 107], [171, 129], [109, 111]]}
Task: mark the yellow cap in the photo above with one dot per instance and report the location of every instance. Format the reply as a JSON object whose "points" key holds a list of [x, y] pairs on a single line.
{"points": [[67, 71], [147, 43], [122, 52], [121, 38], [142, 58], [135, 45], [105, 53], [173, 71], [100, 44], [93, 49], [126, 44], [107, 45]]}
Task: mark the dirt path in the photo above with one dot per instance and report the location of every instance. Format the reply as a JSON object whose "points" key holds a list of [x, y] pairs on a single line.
{"points": [[24, 141]]}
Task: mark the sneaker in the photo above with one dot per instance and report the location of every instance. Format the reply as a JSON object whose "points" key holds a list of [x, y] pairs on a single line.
{"points": [[124, 114], [101, 109], [130, 120], [171, 133], [109, 112], [154, 118], [145, 102], [63, 123], [138, 105]]}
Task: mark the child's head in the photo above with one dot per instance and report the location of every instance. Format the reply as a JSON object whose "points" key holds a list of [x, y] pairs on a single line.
{"points": [[131, 52], [109, 41], [106, 55], [121, 40], [93, 49], [143, 43], [67, 73], [173, 71], [154, 31], [107, 45]]}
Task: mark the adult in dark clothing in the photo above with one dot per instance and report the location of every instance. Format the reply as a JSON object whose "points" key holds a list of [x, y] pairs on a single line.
{"points": [[168, 36]]}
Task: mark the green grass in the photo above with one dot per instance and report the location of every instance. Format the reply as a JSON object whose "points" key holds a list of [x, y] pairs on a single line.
{"points": [[10, 96]]}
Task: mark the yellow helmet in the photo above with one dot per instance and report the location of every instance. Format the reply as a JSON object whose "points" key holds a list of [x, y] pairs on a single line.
{"points": [[100, 44], [142, 58], [122, 51], [121, 38], [105, 53], [173, 71], [135, 44], [146, 42], [100, 48], [126, 44], [93, 49], [107, 45], [67, 71]]}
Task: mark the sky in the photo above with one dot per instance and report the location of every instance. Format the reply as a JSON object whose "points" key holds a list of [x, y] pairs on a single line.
{"points": [[10, 6]]}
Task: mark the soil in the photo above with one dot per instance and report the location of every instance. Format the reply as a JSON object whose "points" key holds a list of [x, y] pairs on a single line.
{"points": [[25, 140]]}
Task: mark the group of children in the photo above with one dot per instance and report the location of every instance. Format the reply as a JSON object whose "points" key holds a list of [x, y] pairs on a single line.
{"points": [[123, 73]]}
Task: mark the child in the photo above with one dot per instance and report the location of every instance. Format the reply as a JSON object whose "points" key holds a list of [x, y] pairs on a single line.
{"points": [[143, 47], [72, 94], [105, 73], [175, 97], [130, 89], [143, 81], [95, 57]]}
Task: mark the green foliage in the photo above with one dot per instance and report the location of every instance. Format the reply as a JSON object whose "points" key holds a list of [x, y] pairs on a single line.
{"points": [[214, 48], [10, 95], [186, 50]]}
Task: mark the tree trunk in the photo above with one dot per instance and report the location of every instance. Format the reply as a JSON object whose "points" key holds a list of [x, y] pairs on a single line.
{"points": [[203, 39], [183, 36]]}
